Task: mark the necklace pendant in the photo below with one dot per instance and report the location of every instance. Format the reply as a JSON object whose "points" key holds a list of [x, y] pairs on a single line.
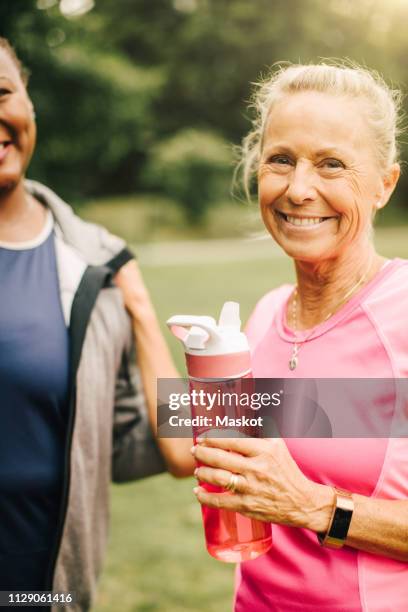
{"points": [[293, 362]]}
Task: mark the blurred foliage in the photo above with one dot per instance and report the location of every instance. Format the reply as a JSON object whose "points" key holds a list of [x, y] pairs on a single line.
{"points": [[193, 168], [93, 105], [131, 84]]}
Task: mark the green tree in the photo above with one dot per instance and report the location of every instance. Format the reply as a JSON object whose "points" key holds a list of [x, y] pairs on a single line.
{"points": [[193, 167], [93, 104], [113, 85]]}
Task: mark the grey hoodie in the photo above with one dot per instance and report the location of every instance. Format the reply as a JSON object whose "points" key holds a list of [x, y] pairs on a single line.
{"points": [[108, 436]]}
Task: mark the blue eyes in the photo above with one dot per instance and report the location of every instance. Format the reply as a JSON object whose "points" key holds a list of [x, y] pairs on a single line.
{"points": [[279, 159], [284, 160], [333, 163]]}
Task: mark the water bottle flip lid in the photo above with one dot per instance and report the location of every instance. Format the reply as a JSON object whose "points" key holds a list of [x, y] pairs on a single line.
{"points": [[201, 334]]}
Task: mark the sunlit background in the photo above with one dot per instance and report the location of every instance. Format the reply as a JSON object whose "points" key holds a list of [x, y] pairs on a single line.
{"points": [[139, 104]]}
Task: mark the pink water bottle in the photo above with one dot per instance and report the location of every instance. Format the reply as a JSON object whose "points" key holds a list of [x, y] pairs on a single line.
{"points": [[218, 363]]}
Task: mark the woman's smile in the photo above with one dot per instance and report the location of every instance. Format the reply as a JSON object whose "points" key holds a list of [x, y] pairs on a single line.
{"points": [[302, 223], [17, 125]]}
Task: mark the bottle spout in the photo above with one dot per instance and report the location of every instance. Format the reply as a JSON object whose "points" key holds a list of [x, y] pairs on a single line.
{"points": [[229, 316]]}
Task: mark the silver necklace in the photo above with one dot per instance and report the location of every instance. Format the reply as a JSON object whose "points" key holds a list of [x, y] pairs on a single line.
{"points": [[294, 359]]}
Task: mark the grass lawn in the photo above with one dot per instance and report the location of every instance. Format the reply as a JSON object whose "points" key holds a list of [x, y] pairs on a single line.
{"points": [[156, 559]]}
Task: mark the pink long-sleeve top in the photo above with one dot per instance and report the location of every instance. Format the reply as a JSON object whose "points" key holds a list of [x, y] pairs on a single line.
{"points": [[366, 338]]}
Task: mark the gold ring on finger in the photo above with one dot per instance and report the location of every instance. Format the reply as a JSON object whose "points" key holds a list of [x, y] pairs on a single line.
{"points": [[232, 483]]}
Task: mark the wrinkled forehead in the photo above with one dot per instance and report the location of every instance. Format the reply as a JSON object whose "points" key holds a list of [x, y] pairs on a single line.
{"points": [[317, 119]]}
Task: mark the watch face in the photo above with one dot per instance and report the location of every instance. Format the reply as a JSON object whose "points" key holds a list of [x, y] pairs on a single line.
{"points": [[339, 525]]}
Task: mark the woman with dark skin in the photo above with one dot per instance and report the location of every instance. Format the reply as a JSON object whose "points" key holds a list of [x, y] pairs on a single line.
{"points": [[21, 216], [72, 411]]}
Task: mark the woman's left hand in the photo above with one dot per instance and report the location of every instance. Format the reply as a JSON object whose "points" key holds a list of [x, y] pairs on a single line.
{"points": [[270, 485]]}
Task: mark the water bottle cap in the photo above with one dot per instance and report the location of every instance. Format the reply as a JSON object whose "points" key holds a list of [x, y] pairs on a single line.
{"points": [[202, 336]]}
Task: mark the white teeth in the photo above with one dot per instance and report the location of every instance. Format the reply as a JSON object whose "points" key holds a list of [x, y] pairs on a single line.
{"points": [[304, 220]]}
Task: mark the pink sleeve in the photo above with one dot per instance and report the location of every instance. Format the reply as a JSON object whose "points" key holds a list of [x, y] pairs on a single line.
{"points": [[387, 310]]}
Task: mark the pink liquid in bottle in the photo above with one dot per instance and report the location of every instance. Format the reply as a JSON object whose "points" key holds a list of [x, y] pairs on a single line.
{"points": [[218, 361], [230, 536]]}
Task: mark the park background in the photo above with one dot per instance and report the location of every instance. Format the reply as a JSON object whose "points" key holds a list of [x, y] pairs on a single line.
{"points": [[140, 105]]}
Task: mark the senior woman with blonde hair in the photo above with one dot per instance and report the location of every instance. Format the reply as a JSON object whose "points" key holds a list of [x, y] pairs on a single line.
{"points": [[324, 150]]}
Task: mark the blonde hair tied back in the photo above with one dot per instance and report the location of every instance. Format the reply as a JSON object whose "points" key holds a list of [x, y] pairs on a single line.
{"points": [[383, 106]]}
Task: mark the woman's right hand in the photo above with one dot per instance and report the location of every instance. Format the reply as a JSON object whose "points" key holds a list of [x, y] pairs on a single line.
{"points": [[270, 485]]}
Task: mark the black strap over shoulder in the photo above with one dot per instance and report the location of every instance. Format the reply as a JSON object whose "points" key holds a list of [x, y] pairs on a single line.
{"points": [[93, 280], [120, 259]]}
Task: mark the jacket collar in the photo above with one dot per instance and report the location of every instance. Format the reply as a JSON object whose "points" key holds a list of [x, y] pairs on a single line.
{"points": [[78, 246], [94, 244]]}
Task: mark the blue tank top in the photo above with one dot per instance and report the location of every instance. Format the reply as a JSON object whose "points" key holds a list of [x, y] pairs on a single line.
{"points": [[33, 403]]}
